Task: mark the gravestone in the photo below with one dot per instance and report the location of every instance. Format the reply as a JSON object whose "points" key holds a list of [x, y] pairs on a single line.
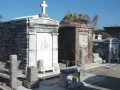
{"points": [[13, 71], [32, 74], [83, 57], [31, 78], [63, 82]]}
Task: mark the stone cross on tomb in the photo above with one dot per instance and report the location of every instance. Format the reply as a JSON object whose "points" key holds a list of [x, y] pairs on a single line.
{"points": [[43, 5]]}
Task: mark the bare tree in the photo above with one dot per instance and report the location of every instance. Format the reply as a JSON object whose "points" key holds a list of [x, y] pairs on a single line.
{"points": [[95, 21], [0, 17], [67, 17], [82, 19], [73, 17]]}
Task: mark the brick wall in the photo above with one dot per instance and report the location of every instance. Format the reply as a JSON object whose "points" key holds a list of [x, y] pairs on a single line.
{"points": [[13, 40]]}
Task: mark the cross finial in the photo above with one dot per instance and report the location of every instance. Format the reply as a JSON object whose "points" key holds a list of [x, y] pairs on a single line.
{"points": [[43, 5]]}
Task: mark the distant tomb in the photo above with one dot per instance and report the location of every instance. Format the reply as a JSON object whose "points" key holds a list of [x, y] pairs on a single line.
{"points": [[108, 49], [97, 37]]}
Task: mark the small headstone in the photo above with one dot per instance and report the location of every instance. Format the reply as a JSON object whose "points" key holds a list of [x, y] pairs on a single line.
{"points": [[13, 71], [40, 64], [63, 80], [31, 78], [32, 74]]}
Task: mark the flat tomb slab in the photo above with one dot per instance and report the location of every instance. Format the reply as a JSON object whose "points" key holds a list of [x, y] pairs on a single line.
{"points": [[46, 69], [48, 75]]}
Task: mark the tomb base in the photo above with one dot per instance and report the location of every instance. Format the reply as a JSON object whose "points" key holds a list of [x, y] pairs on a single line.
{"points": [[31, 85], [43, 15]]}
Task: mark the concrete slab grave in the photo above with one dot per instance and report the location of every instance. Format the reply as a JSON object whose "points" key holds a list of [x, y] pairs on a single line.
{"points": [[63, 78]]}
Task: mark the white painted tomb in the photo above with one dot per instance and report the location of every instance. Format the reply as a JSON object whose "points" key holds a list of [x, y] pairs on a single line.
{"points": [[35, 41], [43, 43]]}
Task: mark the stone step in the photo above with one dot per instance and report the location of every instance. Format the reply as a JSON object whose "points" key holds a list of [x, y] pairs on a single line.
{"points": [[95, 60], [95, 55], [47, 69], [98, 62]]}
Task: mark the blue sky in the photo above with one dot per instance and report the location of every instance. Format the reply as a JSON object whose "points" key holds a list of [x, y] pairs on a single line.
{"points": [[109, 10]]}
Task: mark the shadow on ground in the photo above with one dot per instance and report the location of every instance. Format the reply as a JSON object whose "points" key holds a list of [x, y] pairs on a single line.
{"points": [[110, 83]]}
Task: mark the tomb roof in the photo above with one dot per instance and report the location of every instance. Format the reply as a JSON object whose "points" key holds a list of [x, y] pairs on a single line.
{"points": [[25, 17], [111, 26]]}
